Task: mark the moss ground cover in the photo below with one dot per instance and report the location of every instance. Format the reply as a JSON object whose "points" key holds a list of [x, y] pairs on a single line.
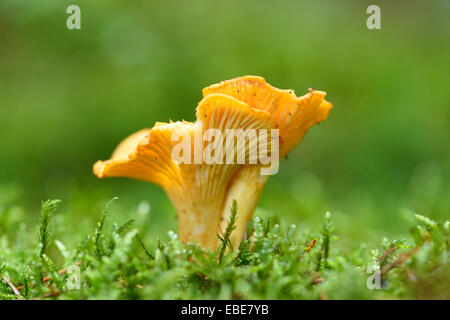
{"points": [[274, 262]]}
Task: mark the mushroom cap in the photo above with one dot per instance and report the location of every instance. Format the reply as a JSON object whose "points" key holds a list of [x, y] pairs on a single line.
{"points": [[292, 115], [147, 154]]}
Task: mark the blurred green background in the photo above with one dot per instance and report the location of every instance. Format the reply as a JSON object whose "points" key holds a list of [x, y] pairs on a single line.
{"points": [[67, 97]]}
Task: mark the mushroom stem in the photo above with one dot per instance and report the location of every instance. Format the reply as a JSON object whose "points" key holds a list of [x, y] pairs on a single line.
{"points": [[198, 220], [246, 188]]}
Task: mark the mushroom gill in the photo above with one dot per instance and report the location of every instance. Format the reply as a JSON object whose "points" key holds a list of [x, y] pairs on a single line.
{"points": [[201, 192]]}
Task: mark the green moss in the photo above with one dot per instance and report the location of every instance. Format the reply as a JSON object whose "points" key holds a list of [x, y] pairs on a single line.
{"points": [[274, 263]]}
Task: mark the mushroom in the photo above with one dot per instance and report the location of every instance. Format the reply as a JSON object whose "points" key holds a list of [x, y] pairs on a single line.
{"points": [[292, 115], [201, 192]]}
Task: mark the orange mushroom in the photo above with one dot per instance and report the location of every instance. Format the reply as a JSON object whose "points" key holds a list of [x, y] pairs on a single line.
{"points": [[292, 115], [202, 192]]}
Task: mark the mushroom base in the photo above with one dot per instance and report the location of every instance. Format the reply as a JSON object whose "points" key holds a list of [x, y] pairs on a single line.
{"points": [[246, 188], [198, 222], [201, 221]]}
